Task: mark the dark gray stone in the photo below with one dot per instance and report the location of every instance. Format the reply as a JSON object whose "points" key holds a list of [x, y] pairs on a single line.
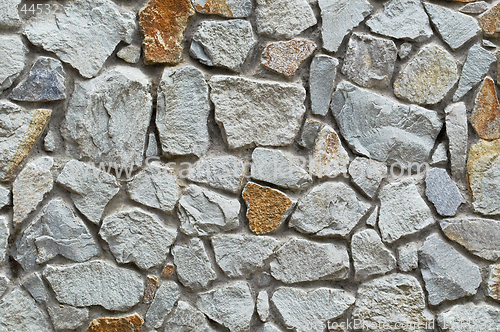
{"points": [[443, 192]]}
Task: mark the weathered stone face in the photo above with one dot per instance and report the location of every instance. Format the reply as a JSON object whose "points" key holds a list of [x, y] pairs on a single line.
{"points": [[486, 114], [124, 324], [285, 57], [490, 21], [225, 8]]}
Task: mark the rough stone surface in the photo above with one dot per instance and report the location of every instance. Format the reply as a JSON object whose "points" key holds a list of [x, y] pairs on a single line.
{"points": [[150, 289], [13, 52], [370, 255], [470, 317], [65, 317], [486, 113], [49, 142], [285, 57], [310, 133], [299, 260], [222, 172], [490, 21], [35, 286], [322, 76], [152, 149], [407, 257], [443, 192], [493, 282], [367, 174], [10, 15], [130, 54], [263, 306], [165, 299], [4, 197], [330, 159], [440, 155], [4, 239], [488, 44], [225, 8], [475, 7], [186, 318], [405, 50], [457, 128], [4, 284], [19, 312], [131, 323], [373, 218]]}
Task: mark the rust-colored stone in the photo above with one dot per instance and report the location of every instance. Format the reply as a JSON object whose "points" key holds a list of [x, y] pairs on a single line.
{"points": [[266, 207], [490, 20], [163, 23], [285, 57], [218, 7], [123, 324], [150, 290], [486, 114], [168, 271]]}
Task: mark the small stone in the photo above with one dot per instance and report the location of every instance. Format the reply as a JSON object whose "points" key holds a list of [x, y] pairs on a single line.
{"points": [[163, 24], [273, 166], [49, 142], [403, 212], [194, 269], [267, 208], [339, 18], [407, 257], [91, 189], [402, 19], [475, 69], [486, 113], [165, 299], [168, 271], [131, 323], [4, 240], [186, 318], [331, 208], [442, 192], [488, 44], [475, 7], [470, 317], [369, 61], [225, 8], [283, 18], [19, 312], [322, 76], [225, 44], [285, 57], [490, 21], [299, 260], [493, 285], [231, 305], [137, 236], [150, 290], [4, 284], [130, 54], [371, 257], [405, 50], [13, 54], [457, 132], [367, 174], [247, 119], [373, 218], [35, 286], [263, 306], [152, 149], [4, 197], [224, 172], [440, 155], [306, 310], [65, 317], [239, 255], [10, 16], [269, 327], [310, 133], [428, 77], [203, 212], [30, 187], [330, 159]]}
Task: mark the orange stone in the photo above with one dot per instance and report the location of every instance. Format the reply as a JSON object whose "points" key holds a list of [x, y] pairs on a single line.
{"points": [[163, 23], [123, 324], [490, 20], [150, 290], [285, 57], [218, 7], [486, 113], [168, 271], [266, 207]]}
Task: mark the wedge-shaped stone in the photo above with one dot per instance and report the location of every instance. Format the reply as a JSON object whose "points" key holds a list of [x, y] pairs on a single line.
{"points": [[486, 114], [367, 174], [490, 21], [370, 255], [225, 8], [285, 57], [330, 159], [470, 317], [443, 192], [440, 155], [186, 318], [322, 76], [457, 128], [224, 172], [13, 52], [19, 312]]}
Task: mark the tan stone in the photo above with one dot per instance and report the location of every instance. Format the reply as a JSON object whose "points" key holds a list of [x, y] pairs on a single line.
{"points": [[285, 57], [168, 271], [486, 113], [494, 282], [150, 290], [490, 20], [131, 323], [218, 7], [330, 158]]}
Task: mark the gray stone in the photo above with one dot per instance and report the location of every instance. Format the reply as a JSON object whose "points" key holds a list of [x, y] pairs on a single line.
{"points": [[309, 310], [322, 76], [457, 132], [4, 197], [382, 129], [407, 257], [369, 61], [225, 8], [247, 119], [186, 318], [283, 18], [488, 44], [35, 286], [442, 192], [166, 297], [4, 239], [299, 260], [13, 55], [91, 189], [10, 15], [470, 317], [49, 142], [263, 306], [45, 82], [330, 159], [403, 212], [182, 114], [269, 327], [339, 18], [118, 289], [136, 236], [194, 269], [203, 212], [65, 317], [224, 172], [77, 37], [373, 218], [331, 208], [55, 231], [493, 282], [474, 71], [19, 312], [475, 7], [440, 155], [239, 255], [447, 274], [152, 149], [371, 257], [367, 174], [405, 50], [309, 134], [130, 54], [4, 284], [223, 43]]}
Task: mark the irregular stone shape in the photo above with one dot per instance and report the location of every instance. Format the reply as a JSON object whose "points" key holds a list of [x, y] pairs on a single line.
{"points": [[274, 167], [339, 18], [267, 208], [155, 186], [152, 149], [182, 112], [440, 155], [225, 8], [407, 257], [299, 260], [285, 57], [65, 317], [165, 299], [402, 19], [130, 54], [246, 119], [331, 208], [78, 38], [493, 282], [470, 317], [19, 134], [30, 187], [231, 305], [367, 174], [10, 16], [108, 117], [475, 7], [442, 192], [479, 236], [309, 310], [137, 236], [403, 212], [91, 189], [13, 52], [428, 77], [45, 82], [163, 24], [457, 132], [322, 76], [486, 113], [382, 129], [239, 255], [4, 197], [310, 133], [168, 271], [405, 50], [203, 212], [475, 69], [488, 44], [49, 142], [131, 323], [35, 286], [373, 218], [490, 21], [263, 306], [369, 61], [186, 318], [330, 159], [19, 312], [389, 299], [194, 269], [283, 18], [55, 231], [223, 44], [150, 289], [4, 239], [447, 274], [224, 172], [371, 257]]}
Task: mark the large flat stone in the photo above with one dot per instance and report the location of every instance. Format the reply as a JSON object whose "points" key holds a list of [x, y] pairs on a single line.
{"points": [[322, 76], [19, 312], [222, 172]]}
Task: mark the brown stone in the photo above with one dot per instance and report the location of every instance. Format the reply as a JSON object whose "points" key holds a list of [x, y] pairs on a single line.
{"points": [[168, 271], [267, 208], [123, 324], [285, 57], [150, 290], [163, 23], [494, 282], [486, 113], [490, 20], [218, 7]]}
